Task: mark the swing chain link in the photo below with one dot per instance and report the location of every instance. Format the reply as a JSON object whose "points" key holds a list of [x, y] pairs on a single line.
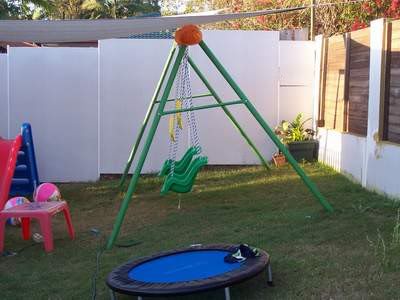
{"points": [[194, 137], [183, 92]]}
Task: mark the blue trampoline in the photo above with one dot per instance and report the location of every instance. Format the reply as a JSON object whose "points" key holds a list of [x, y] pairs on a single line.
{"points": [[185, 271]]}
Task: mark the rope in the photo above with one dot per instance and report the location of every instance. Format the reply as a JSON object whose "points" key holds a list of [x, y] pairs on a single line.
{"points": [[179, 94], [183, 92], [188, 102]]}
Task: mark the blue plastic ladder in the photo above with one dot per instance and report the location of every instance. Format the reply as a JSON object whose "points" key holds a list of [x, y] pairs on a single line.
{"points": [[26, 177]]}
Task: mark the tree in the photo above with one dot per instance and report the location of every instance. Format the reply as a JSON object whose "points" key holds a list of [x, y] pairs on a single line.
{"points": [[331, 16], [20, 9], [120, 8], [173, 7], [76, 9]]}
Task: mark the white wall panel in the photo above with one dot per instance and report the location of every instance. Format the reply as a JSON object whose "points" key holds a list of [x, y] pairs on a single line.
{"points": [[296, 77], [55, 89], [296, 62]]}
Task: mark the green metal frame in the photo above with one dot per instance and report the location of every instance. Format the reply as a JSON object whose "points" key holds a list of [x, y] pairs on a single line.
{"points": [[161, 112], [175, 111], [193, 97]]}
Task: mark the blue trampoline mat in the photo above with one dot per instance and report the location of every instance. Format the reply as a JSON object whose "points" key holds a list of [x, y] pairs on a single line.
{"points": [[184, 266]]}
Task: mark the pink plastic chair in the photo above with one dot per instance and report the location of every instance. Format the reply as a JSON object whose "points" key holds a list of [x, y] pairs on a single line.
{"points": [[42, 211]]}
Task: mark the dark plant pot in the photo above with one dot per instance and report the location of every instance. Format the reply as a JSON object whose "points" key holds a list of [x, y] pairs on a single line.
{"points": [[304, 150], [279, 160]]}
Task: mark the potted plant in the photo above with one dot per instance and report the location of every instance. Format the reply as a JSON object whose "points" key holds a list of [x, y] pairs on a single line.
{"points": [[299, 140], [279, 159]]}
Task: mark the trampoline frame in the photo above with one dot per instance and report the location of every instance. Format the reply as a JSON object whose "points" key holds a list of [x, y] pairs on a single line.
{"points": [[120, 275]]}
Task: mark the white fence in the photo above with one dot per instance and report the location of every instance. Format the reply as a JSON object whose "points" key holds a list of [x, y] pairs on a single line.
{"points": [[86, 104], [373, 163]]}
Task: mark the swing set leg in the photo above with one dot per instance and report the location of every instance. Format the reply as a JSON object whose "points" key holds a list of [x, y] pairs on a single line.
{"points": [[228, 113], [145, 151], [307, 181], [147, 117]]}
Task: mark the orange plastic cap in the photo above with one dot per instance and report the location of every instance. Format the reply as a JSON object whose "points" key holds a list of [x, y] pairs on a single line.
{"points": [[188, 35]]}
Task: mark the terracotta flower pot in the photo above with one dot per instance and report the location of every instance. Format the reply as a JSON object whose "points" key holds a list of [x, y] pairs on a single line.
{"points": [[279, 159]]}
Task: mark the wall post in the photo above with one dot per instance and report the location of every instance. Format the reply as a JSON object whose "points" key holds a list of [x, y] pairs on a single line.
{"points": [[377, 76]]}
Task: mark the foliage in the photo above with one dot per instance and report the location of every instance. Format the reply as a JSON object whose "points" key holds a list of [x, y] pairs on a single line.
{"points": [[172, 7], [375, 9], [329, 19], [76, 9], [20, 9], [294, 131]]}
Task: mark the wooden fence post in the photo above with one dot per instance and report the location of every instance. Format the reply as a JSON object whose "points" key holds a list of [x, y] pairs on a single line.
{"points": [[322, 81]]}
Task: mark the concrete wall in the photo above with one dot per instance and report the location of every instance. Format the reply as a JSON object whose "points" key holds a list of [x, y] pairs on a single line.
{"points": [[55, 89], [86, 105], [382, 162], [128, 78], [369, 160], [335, 149]]}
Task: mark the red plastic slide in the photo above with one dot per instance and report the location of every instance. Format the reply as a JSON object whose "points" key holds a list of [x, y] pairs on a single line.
{"points": [[8, 159]]}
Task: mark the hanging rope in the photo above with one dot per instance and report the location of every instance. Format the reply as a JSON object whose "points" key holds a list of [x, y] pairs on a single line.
{"points": [[183, 99], [188, 102]]}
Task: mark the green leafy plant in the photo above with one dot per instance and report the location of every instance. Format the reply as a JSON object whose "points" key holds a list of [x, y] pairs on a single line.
{"points": [[294, 131]]}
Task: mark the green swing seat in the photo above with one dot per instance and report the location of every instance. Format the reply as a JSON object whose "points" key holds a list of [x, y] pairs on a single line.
{"points": [[183, 183], [182, 165]]}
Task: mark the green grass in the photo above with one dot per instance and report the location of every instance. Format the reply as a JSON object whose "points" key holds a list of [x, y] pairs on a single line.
{"points": [[352, 253]]}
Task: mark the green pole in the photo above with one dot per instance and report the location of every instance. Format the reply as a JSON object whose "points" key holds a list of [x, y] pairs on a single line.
{"points": [[193, 97], [146, 147], [175, 111], [147, 117], [227, 112], [312, 187]]}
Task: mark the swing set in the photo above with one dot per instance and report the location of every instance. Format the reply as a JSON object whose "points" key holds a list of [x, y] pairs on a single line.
{"points": [[180, 175]]}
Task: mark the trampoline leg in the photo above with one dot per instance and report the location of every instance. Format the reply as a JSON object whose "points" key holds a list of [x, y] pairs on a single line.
{"points": [[112, 295], [227, 294], [269, 274]]}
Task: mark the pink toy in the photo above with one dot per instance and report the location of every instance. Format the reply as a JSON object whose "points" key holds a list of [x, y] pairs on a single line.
{"points": [[46, 192], [14, 202], [43, 212]]}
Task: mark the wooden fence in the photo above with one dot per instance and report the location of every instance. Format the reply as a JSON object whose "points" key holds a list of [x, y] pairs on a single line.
{"points": [[344, 83], [391, 121]]}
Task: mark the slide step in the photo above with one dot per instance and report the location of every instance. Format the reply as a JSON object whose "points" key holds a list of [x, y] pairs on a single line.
{"points": [[25, 178], [20, 181], [21, 168]]}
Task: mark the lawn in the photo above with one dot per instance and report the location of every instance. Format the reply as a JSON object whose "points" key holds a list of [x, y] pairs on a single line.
{"points": [[352, 253]]}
